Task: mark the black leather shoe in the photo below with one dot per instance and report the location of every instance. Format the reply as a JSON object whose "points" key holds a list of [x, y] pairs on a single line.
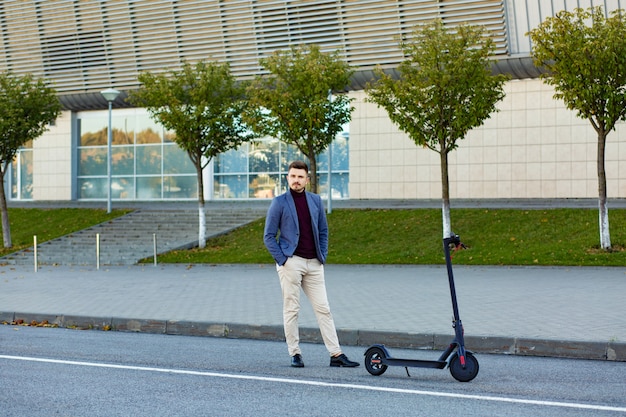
{"points": [[296, 361], [343, 361]]}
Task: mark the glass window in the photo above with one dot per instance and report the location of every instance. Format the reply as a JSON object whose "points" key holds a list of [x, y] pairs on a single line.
{"points": [[26, 174], [149, 188], [21, 178], [94, 187], [180, 186], [146, 163], [341, 153], [264, 186], [148, 135], [123, 188], [176, 161], [123, 129], [291, 154], [233, 161], [148, 159], [92, 132], [15, 181], [122, 160], [169, 136], [139, 158], [92, 161], [339, 156], [339, 185], [264, 156], [231, 186]]}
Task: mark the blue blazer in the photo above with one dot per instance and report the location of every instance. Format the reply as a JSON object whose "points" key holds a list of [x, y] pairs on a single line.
{"points": [[282, 217]]}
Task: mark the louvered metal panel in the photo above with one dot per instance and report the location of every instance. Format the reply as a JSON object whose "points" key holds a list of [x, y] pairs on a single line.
{"points": [[84, 46]]}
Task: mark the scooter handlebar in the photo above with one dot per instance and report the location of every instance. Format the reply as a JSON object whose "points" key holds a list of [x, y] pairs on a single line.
{"points": [[453, 242], [453, 239]]}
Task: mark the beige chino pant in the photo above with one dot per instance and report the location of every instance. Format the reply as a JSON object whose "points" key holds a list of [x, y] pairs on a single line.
{"points": [[307, 274]]}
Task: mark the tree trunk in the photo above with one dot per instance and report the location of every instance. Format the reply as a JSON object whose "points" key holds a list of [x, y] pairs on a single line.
{"points": [[445, 195], [201, 211], [201, 226], [605, 235], [6, 227]]}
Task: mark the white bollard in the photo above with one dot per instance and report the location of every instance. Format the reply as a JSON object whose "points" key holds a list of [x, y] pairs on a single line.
{"points": [[155, 248], [98, 251], [35, 251]]}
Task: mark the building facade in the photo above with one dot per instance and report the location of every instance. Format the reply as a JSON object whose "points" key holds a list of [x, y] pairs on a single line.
{"points": [[532, 148]]}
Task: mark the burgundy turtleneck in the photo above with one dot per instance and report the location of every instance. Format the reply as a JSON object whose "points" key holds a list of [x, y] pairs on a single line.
{"points": [[306, 243]]}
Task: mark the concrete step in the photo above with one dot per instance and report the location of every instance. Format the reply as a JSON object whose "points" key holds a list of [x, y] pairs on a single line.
{"points": [[130, 238]]}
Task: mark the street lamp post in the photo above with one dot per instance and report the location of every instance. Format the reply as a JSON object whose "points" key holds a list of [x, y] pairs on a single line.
{"points": [[110, 94]]}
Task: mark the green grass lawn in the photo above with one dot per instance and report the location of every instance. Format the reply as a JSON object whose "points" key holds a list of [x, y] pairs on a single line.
{"points": [[394, 236], [48, 224]]}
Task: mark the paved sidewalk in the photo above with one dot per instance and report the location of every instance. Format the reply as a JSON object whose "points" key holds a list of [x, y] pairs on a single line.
{"points": [[545, 311]]}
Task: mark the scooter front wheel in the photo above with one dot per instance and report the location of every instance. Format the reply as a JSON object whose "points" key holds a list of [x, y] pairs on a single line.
{"points": [[374, 361], [459, 372]]}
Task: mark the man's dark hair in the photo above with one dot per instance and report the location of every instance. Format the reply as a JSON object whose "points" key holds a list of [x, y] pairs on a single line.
{"points": [[299, 165]]}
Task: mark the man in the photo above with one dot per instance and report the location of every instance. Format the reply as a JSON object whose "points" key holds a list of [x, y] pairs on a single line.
{"points": [[297, 217]]}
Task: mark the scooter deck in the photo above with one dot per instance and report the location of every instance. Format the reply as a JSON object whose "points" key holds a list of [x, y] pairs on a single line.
{"points": [[414, 363]]}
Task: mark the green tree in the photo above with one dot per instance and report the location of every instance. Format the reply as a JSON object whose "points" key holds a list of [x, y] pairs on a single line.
{"points": [[27, 107], [445, 88], [292, 102], [202, 104], [584, 53]]}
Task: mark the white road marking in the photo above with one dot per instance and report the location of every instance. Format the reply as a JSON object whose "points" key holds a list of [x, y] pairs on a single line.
{"points": [[324, 384]]}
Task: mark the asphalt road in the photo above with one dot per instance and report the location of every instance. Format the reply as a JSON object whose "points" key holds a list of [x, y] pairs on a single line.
{"points": [[61, 372]]}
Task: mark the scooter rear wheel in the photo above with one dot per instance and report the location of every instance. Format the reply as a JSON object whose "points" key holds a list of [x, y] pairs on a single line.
{"points": [[463, 374], [373, 361]]}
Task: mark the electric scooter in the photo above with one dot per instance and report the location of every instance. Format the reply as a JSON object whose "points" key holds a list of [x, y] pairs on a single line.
{"points": [[462, 363]]}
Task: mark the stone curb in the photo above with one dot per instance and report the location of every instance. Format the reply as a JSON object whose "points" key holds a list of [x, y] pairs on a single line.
{"points": [[609, 351]]}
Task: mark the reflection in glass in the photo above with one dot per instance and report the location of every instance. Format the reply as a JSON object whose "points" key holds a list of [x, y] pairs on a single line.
{"points": [[231, 186], [92, 132], [21, 179], [339, 185], [233, 161], [137, 151], [180, 187], [148, 188], [149, 135], [264, 156], [26, 174], [264, 186], [341, 152], [92, 161], [122, 160], [175, 161], [147, 165], [292, 154], [266, 163], [14, 179], [169, 136], [122, 188], [340, 155], [123, 130], [148, 159], [92, 187]]}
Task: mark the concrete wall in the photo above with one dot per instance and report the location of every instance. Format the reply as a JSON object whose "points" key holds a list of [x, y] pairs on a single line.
{"points": [[533, 148], [52, 162]]}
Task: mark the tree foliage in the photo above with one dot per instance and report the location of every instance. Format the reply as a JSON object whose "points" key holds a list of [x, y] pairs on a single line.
{"points": [[202, 104], [445, 88], [584, 54], [291, 102], [27, 107]]}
